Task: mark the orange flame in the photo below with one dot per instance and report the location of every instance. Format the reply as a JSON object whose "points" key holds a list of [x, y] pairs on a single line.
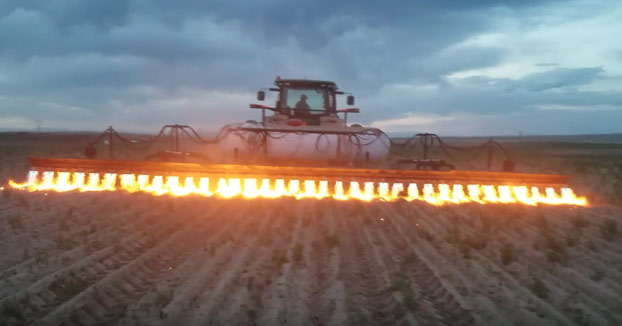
{"points": [[264, 188]]}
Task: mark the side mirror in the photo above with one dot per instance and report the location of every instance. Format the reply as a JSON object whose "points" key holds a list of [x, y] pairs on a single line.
{"points": [[350, 100], [261, 95]]}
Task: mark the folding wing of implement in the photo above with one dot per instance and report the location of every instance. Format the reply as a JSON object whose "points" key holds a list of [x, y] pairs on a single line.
{"points": [[314, 148]]}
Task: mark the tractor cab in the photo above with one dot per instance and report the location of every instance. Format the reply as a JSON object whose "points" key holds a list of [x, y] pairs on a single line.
{"points": [[304, 102]]}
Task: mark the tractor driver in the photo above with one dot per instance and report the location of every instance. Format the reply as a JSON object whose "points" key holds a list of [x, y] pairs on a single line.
{"points": [[302, 107]]}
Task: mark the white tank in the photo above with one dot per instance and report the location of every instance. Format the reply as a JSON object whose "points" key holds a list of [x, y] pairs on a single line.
{"points": [[304, 143]]}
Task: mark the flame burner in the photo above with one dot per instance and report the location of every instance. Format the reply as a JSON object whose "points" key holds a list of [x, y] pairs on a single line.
{"points": [[248, 187]]}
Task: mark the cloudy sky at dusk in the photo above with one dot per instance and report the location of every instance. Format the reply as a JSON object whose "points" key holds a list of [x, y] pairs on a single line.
{"points": [[451, 67]]}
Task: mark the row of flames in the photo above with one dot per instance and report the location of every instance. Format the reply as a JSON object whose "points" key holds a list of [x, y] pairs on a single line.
{"points": [[254, 188]]}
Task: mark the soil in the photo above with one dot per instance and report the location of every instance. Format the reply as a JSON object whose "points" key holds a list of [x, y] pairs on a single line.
{"points": [[137, 259]]}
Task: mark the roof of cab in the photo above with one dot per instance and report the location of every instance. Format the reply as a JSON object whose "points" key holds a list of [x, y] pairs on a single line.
{"points": [[305, 83]]}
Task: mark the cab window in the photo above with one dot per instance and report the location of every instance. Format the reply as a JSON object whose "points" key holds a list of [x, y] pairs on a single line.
{"points": [[303, 98]]}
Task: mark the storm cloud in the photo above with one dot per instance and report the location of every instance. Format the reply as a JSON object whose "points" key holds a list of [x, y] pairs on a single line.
{"points": [[452, 67]]}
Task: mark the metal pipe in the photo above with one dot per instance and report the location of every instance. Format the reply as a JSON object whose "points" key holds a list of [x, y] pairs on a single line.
{"points": [[176, 128], [265, 146], [426, 137], [489, 165], [110, 149]]}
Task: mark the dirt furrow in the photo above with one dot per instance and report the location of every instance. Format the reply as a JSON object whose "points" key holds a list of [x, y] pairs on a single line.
{"points": [[516, 286], [307, 271], [54, 228], [366, 278], [574, 294], [205, 268], [42, 265], [127, 281], [220, 278], [162, 301], [245, 303], [395, 251], [287, 260], [561, 278], [245, 249], [32, 231], [61, 286], [275, 285], [430, 286], [320, 285]]}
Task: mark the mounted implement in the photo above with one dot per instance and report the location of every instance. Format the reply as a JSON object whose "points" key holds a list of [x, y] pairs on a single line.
{"points": [[301, 148]]}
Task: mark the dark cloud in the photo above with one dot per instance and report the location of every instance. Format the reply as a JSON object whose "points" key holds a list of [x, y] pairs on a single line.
{"points": [[74, 60], [483, 95], [559, 78], [67, 14]]}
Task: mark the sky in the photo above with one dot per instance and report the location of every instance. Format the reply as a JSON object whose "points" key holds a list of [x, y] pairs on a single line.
{"points": [[449, 67]]}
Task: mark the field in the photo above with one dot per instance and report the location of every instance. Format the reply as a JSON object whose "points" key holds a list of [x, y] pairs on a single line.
{"points": [[137, 259]]}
